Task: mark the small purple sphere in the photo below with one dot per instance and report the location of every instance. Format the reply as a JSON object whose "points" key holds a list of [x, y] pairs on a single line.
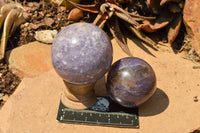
{"points": [[131, 82], [81, 53]]}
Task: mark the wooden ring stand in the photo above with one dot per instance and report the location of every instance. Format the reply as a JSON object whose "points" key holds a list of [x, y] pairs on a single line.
{"points": [[77, 96]]}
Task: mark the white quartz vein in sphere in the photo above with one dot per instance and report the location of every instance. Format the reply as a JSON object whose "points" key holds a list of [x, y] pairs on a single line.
{"points": [[81, 53]]}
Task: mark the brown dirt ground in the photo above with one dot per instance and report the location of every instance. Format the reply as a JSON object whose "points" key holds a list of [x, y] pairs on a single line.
{"points": [[8, 83]]}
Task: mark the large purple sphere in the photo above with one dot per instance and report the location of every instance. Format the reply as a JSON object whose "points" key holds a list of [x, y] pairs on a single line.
{"points": [[131, 82], [81, 53]]}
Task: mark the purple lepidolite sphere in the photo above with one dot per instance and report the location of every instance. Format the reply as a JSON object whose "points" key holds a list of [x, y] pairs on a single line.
{"points": [[81, 53], [131, 82]]}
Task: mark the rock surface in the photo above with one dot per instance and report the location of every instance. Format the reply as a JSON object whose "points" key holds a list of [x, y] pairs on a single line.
{"points": [[191, 19], [30, 60], [173, 109]]}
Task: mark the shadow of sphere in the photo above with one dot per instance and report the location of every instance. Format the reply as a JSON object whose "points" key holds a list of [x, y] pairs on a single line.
{"points": [[155, 105]]}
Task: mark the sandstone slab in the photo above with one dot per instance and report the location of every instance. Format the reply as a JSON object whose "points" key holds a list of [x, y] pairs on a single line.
{"points": [[173, 109], [30, 60], [191, 19]]}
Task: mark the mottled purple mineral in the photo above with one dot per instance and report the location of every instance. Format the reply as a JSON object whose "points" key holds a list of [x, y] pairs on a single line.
{"points": [[131, 82], [81, 53]]}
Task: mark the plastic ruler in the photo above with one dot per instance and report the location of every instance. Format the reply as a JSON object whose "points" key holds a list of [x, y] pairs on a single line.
{"points": [[105, 113]]}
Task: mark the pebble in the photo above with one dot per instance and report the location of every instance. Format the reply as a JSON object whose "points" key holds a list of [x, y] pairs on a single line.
{"points": [[46, 36], [26, 24], [1, 96], [5, 97], [48, 21]]}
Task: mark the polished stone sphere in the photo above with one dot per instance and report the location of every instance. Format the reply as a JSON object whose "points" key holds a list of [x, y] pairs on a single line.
{"points": [[81, 53], [131, 82]]}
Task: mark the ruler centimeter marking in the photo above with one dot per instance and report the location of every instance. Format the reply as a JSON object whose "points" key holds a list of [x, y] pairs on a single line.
{"points": [[91, 117]]}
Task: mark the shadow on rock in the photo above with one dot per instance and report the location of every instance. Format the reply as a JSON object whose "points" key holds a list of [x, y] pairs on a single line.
{"points": [[156, 105]]}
